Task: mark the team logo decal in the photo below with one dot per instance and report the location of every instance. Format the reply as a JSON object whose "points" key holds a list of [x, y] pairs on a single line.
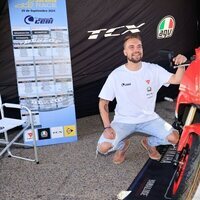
{"points": [[28, 135], [44, 133], [166, 27], [69, 131], [57, 132]]}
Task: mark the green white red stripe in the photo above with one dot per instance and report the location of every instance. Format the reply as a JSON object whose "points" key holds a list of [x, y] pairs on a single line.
{"points": [[167, 23]]}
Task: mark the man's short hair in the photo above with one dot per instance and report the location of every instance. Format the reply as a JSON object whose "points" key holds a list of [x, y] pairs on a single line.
{"points": [[133, 35]]}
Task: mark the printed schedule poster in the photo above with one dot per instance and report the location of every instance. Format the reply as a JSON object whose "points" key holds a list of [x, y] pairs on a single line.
{"points": [[43, 67]]}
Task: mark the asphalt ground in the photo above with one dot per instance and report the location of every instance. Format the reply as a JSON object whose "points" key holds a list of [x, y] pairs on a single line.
{"points": [[70, 171]]}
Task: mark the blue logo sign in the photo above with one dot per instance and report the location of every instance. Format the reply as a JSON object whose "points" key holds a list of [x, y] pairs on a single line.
{"points": [[35, 20]]}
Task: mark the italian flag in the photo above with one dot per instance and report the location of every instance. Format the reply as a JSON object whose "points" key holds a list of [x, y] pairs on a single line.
{"points": [[167, 23]]}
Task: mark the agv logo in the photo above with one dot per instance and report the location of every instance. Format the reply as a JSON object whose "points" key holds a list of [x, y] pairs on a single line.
{"points": [[166, 27]]}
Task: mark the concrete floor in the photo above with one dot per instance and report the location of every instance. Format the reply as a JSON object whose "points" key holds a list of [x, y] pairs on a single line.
{"points": [[70, 171]]}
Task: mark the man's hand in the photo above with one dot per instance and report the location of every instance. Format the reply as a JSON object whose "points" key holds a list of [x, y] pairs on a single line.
{"points": [[179, 59], [177, 77], [109, 133]]}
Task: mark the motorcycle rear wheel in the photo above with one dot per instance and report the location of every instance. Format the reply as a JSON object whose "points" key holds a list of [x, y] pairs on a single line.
{"points": [[188, 175]]}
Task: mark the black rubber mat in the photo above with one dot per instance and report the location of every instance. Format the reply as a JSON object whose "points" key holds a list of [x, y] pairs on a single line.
{"points": [[154, 180]]}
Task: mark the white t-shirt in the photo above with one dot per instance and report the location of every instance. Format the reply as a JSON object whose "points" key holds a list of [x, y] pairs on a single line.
{"points": [[135, 92]]}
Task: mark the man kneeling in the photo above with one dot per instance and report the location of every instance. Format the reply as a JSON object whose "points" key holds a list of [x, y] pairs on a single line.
{"points": [[135, 86]]}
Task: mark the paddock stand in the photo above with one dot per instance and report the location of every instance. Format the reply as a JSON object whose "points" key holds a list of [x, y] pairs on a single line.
{"points": [[154, 180]]}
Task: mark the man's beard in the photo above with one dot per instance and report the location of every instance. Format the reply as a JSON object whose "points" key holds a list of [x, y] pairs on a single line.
{"points": [[135, 60]]}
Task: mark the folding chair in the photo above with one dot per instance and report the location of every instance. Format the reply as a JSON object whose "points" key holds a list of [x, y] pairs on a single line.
{"points": [[7, 124]]}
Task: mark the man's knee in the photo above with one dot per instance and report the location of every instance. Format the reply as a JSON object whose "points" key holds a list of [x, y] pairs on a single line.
{"points": [[104, 147], [173, 137]]}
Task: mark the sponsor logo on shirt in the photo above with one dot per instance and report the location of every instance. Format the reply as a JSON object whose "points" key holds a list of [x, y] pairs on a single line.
{"points": [[125, 84], [147, 81], [149, 89]]}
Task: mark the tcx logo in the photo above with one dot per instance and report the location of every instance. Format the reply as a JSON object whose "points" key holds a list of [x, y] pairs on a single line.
{"points": [[110, 32], [30, 19]]}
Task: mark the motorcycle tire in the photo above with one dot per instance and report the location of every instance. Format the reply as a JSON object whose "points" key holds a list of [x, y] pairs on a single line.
{"points": [[189, 177]]}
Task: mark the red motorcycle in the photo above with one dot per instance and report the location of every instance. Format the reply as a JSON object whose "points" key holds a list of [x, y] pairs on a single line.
{"points": [[185, 166], [187, 121]]}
